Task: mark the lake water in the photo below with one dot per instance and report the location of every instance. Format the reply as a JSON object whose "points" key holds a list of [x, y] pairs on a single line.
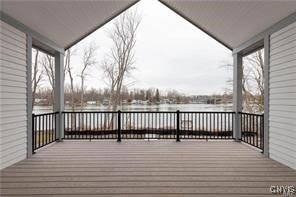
{"points": [[161, 107]]}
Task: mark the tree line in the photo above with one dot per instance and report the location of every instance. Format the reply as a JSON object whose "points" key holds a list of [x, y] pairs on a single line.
{"points": [[147, 96]]}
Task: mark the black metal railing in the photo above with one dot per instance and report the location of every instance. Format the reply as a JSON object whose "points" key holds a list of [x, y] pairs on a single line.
{"points": [[206, 125], [148, 125], [252, 129], [90, 125], [44, 129]]}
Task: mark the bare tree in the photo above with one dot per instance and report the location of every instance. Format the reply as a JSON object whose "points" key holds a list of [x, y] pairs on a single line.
{"points": [[253, 86], [69, 69], [252, 81], [47, 62], [118, 64], [37, 75], [88, 60]]}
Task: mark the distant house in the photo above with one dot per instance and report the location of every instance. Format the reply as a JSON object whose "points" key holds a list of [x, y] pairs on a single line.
{"points": [[91, 102]]}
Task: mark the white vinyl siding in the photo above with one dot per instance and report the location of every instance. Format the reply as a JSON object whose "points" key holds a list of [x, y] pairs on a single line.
{"points": [[13, 99], [282, 90]]}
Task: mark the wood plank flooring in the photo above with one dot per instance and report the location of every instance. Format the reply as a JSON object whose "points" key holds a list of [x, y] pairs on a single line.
{"points": [[141, 168]]}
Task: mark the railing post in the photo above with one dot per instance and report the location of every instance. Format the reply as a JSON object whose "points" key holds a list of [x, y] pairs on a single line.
{"points": [[237, 94], [119, 126], [262, 134], [33, 133], [178, 126]]}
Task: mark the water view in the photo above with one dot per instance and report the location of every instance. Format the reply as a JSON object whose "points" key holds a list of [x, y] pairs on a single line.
{"points": [[160, 107]]}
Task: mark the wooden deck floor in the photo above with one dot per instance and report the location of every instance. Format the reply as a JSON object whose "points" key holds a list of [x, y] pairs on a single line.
{"points": [[140, 168]]}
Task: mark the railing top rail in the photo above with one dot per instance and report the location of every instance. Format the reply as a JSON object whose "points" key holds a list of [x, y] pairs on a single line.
{"points": [[69, 112], [44, 114], [228, 112], [248, 113]]}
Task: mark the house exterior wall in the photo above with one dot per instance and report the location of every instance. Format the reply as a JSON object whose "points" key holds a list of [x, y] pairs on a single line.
{"points": [[13, 98], [282, 99]]}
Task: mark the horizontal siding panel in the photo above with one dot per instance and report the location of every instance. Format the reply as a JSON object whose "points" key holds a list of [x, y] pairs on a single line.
{"points": [[18, 113], [14, 137], [12, 65], [284, 41], [284, 77], [17, 157], [283, 71], [284, 160], [9, 151], [286, 65], [280, 87], [13, 89], [287, 80], [6, 33], [281, 153], [6, 95], [283, 54], [14, 143], [283, 114], [12, 41], [16, 131], [282, 96], [285, 141], [15, 54], [11, 120], [13, 99], [12, 29], [10, 83], [290, 102], [6, 108], [287, 152], [283, 60], [285, 48], [14, 158], [290, 30], [278, 124], [12, 47], [11, 71], [12, 59], [11, 77], [283, 120], [283, 130], [13, 126], [13, 84]]}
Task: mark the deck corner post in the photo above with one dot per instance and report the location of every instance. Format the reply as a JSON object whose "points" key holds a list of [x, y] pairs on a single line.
{"points": [[237, 94], [178, 126], [33, 133], [59, 93], [266, 76], [119, 126], [29, 107]]}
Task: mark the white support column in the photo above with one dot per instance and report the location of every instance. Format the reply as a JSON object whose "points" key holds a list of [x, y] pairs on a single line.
{"points": [[59, 92], [266, 95], [29, 96], [237, 94]]}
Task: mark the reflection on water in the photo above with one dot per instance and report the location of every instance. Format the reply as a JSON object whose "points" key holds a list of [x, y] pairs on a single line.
{"points": [[161, 107]]}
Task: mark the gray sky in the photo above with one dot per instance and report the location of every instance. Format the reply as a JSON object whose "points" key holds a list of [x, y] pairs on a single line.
{"points": [[170, 54]]}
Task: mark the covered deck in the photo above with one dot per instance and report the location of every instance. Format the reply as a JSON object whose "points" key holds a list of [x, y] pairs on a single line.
{"points": [[145, 168]]}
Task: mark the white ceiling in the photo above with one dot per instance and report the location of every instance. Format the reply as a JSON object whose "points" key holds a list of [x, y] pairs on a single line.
{"points": [[64, 21], [233, 21]]}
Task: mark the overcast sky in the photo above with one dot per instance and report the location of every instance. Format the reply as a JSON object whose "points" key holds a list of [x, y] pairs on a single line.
{"points": [[171, 53]]}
